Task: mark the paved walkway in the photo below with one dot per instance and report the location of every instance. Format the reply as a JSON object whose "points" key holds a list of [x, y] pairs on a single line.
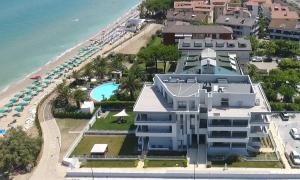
{"points": [[279, 145], [49, 166]]}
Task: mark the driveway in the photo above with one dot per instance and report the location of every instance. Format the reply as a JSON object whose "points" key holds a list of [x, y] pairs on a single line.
{"points": [[265, 65], [283, 130]]}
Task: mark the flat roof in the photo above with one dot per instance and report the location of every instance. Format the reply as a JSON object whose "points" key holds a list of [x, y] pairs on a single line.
{"points": [[184, 28], [232, 20], [284, 24], [262, 106], [175, 15], [150, 100]]}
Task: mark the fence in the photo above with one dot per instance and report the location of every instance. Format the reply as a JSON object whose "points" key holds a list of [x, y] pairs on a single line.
{"points": [[78, 139]]}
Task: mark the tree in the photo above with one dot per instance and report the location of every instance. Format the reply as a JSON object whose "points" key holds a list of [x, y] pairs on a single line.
{"points": [[156, 8], [76, 76], [269, 48], [254, 43], [18, 151], [130, 84], [64, 94], [287, 92], [79, 96], [89, 71], [168, 54]]}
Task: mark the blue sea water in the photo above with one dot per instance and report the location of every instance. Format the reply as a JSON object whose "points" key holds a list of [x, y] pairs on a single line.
{"points": [[34, 32]]}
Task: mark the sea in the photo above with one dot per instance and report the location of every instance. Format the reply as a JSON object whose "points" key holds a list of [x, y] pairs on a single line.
{"points": [[36, 32]]}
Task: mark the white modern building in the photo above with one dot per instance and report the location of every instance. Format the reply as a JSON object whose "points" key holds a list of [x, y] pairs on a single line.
{"points": [[226, 113]]}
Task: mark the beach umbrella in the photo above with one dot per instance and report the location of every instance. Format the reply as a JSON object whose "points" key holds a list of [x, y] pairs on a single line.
{"points": [[19, 109], [8, 105], [13, 100], [23, 104], [3, 110], [18, 95], [27, 98]]}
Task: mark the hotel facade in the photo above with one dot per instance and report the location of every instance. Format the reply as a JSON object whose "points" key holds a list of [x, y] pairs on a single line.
{"points": [[223, 113]]}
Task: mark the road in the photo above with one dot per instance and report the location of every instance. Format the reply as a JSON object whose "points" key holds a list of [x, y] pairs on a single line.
{"points": [[49, 166]]}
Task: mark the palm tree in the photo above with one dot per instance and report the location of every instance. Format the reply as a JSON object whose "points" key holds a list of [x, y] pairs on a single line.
{"points": [[130, 84], [76, 76], [64, 93], [89, 71], [79, 96], [101, 71]]}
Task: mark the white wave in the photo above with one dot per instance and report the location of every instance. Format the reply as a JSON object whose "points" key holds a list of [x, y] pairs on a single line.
{"points": [[75, 20]]}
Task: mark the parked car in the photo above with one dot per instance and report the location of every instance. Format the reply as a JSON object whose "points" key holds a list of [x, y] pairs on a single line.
{"points": [[284, 116], [294, 133], [268, 59], [256, 59], [295, 157]]}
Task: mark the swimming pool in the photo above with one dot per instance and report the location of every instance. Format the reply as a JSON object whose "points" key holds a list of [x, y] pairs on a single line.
{"points": [[104, 91], [2, 131]]}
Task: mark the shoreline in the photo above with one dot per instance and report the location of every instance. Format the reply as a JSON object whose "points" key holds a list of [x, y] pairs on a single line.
{"points": [[19, 84]]}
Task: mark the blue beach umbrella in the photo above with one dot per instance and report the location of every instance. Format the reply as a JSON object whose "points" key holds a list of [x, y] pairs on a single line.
{"points": [[3, 110]]}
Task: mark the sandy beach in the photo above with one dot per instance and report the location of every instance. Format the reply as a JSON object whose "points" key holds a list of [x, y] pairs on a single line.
{"points": [[18, 86]]}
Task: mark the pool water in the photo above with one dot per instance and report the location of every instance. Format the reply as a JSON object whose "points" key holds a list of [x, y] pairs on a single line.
{"points": [[2, 131], [104, 91]]}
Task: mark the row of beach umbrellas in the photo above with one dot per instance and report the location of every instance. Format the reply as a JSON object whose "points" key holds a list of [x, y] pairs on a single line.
{"points": [[23, 98]]}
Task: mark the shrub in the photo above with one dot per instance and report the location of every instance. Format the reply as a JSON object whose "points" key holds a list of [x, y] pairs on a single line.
{"points": [[233, 158], [116, 105], [297, 99], [185, 163], [72, 115], [277, 106], [146, 161]]}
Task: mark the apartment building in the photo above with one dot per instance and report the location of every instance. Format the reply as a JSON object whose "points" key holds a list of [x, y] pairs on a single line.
{"points": [[241, 26], [285, 29], [201, 7], [226, 113], [208, 62], [240, 47], [173, 31]]}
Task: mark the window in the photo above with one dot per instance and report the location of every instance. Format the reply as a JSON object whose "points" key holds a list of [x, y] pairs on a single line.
{"points": [[192, 116], [197, 44], [182, 104], [238, 145], [225, 102], [203, 123]]}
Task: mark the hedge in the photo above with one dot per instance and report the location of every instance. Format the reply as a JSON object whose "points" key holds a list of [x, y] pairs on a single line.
{"points": [[284, 106], [116, 105], [72, 115]]}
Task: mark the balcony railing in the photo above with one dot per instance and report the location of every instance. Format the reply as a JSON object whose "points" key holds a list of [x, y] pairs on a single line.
{"points": [[145, 130], [156, 120]]}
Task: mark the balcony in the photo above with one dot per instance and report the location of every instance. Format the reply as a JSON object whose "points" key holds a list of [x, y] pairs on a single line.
{"points": [[153, 121], [145, 131], [259, 119], [227, 125], [228, 137], [258, 131]]}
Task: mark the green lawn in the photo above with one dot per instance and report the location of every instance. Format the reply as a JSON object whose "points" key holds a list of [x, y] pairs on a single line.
{"points": [[165, 163], [110, 163], [109, 123], [251, 164], [117, 145]]}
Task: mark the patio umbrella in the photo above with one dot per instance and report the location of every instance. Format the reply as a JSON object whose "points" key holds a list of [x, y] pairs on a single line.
{"points": [[13, 100], [19, 109], [8, 105]]}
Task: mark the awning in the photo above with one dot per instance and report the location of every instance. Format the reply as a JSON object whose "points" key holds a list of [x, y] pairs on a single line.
{"points": [[121, 114]]}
